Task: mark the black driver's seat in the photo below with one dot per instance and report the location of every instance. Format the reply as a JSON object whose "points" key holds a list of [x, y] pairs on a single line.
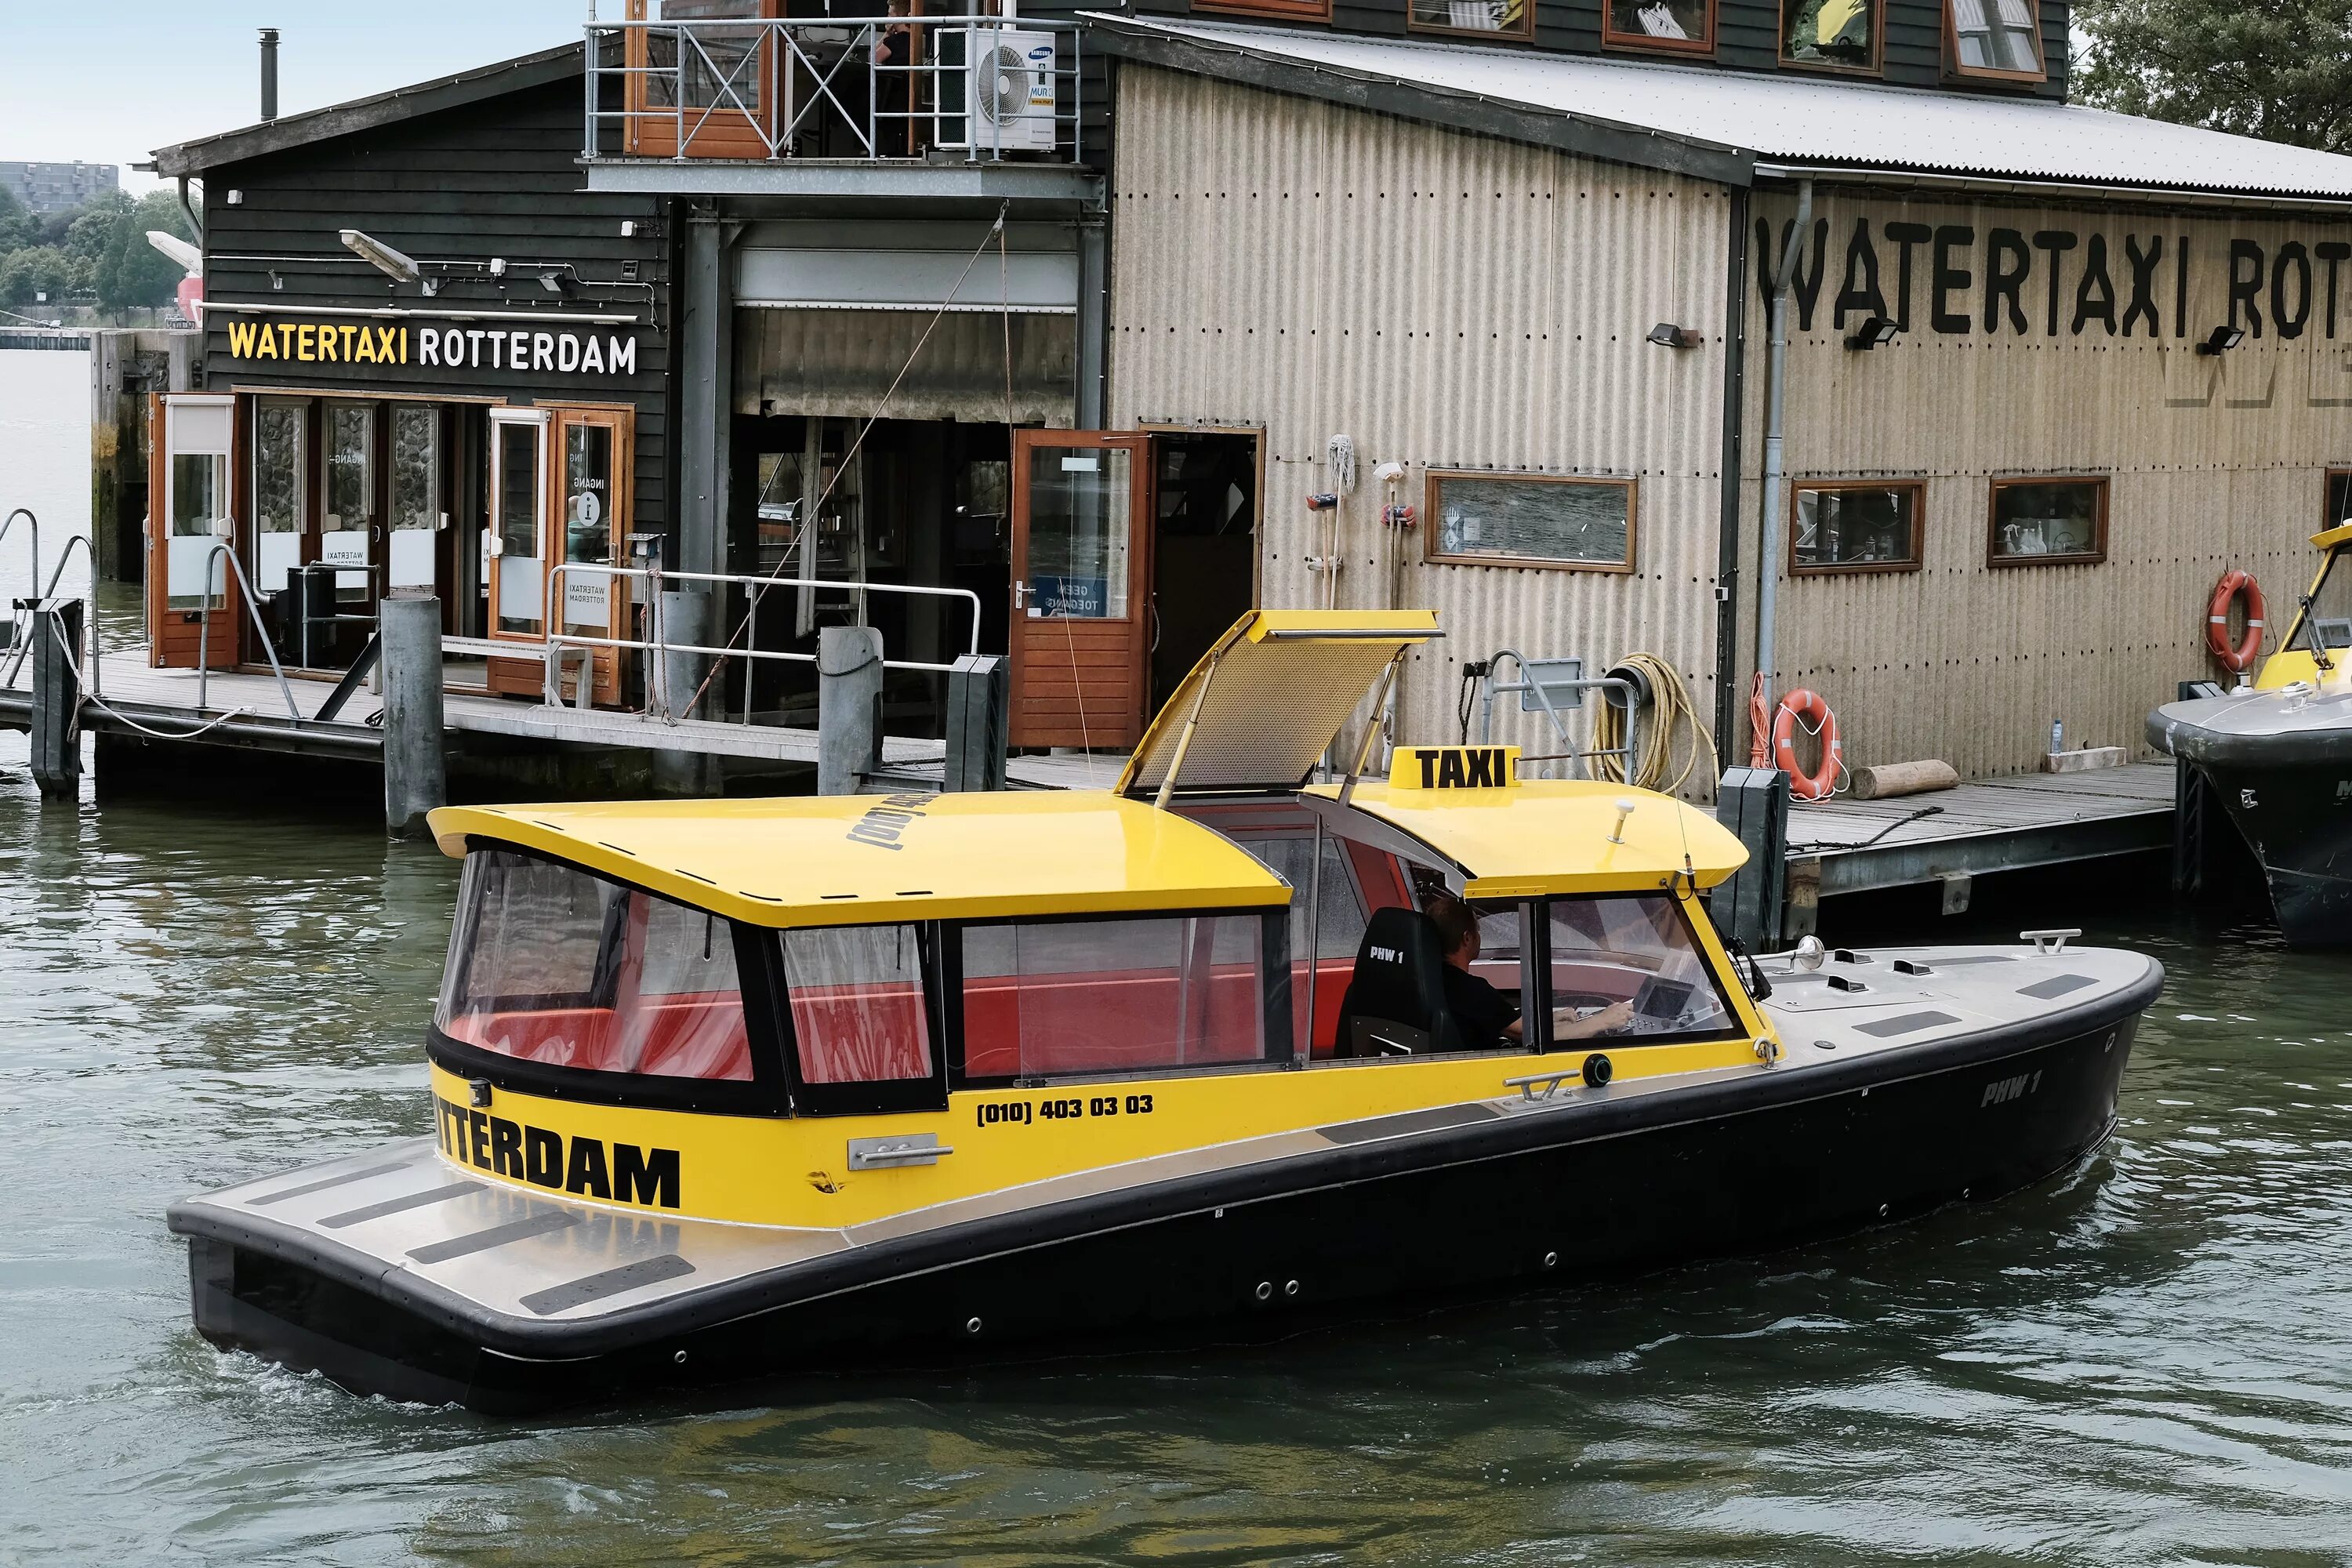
{"points": [[1395, 1005]]}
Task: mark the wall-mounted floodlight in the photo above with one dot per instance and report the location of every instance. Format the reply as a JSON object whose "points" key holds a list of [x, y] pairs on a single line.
{"points": [[1667, 335], [381, 257], [558, 281], [1875, 333], [190, 260], [2221, 339]]}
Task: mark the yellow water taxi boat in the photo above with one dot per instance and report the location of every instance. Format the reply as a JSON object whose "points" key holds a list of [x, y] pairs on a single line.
{"points": [[727, 1089]]}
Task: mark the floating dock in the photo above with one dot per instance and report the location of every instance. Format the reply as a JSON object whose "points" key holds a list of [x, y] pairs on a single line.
{"points": [[1952, 836], [1945, 839]]}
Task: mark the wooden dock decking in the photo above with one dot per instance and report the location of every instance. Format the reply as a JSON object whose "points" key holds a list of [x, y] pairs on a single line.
{"points": [[1847, 846], [252, 712]]}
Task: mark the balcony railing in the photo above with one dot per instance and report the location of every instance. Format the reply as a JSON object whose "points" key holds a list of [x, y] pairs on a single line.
{"points": [[913, 89]]}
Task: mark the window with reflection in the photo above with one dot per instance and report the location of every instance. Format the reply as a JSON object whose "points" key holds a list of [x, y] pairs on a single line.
{"points": [[1995, 39], [1512, 17], [1682, 26], [1830, 35], [2048, 522], [1531, 519], [555, 966], [1854, 527], [1630, 968], [1048, 998]]}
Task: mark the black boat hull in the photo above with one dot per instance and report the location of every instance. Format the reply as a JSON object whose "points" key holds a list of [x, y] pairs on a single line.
{"points": [[2280, 764], [2298, 823], [1719, 1168]]}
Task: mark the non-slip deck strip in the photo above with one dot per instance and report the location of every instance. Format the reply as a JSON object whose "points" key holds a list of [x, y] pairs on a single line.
{"points": [[545, 1223], [2055, 986], [323, 1184], [396, 1205], [1910, 1023], [1436, 1119], [611, 1282]]}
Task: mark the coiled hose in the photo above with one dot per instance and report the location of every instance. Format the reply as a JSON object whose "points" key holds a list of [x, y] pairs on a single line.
{"points": [[1674, 716]]}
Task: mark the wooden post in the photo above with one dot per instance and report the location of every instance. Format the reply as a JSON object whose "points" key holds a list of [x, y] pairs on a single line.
{"points": [[849, 706], [415, 779], [57, 698]]}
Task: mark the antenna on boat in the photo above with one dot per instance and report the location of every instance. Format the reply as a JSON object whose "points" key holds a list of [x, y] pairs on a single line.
{"points": [[1371, 726]]}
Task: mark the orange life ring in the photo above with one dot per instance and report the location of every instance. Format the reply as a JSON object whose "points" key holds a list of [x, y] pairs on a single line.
{"points": [[1823, 782], [2239, 659]]}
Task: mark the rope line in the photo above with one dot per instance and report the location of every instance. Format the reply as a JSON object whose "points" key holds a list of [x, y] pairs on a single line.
{"points": [[1670, 698]]}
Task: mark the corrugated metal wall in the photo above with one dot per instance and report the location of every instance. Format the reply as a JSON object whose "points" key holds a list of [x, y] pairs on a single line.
{"points": [[1446, 301], [2216, 462]]}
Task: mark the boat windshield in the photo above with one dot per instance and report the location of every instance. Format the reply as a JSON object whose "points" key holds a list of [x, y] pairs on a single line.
{"points": [[2325, 623], [548, 964], [1631, 967]]}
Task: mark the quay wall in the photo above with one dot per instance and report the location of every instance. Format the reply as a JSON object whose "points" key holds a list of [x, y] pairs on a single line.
{"points": [[1446, 301]]}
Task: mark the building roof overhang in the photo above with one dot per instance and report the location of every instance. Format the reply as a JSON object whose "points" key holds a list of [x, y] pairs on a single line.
{"points": [[467, 87], [1743, 128]]}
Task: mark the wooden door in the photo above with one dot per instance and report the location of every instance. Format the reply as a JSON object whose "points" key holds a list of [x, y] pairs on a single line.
{"points": [[1081, 587], [192, 508], [589, 449], [724, 71]]}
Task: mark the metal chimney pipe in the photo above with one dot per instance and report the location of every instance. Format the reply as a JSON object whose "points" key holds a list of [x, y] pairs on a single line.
{"points": [[268, 74]]}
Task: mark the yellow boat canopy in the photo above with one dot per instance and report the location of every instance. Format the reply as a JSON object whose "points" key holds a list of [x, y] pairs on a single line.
{"points": [[1537, 837], [855, 860], [1265, 700]]}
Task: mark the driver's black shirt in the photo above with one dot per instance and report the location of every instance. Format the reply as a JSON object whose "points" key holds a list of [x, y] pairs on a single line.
{"points": [[1480, 1011]]}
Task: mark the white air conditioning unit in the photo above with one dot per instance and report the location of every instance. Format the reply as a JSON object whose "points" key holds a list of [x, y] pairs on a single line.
{"points": [[995, 90]]}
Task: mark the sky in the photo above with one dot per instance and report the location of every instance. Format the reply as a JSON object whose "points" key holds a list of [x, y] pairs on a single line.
{"points": [[111, 80]]}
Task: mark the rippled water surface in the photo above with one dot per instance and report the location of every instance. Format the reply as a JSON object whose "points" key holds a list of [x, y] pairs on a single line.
{"points": [[2147, 1361]]}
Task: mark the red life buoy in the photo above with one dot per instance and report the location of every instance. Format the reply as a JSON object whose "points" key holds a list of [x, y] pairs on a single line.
{"points": [[1823, 782], [2239, 659]]}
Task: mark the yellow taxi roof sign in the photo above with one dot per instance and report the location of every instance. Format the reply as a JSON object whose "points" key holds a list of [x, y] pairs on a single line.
{"points": [[865, 858], [1265, 700]]}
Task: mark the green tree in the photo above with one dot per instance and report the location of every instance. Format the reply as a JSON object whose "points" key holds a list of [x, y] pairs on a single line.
{"points": [[18, 227], [2279, 69], [94, 225], [27, 274], [130, 271]]}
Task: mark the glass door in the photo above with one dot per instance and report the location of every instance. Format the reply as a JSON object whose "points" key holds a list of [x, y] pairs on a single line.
{"points": [[518, 570], [281, 492], [414, 510], [348, 526], [190, 476], [514, 545], [1081, 575], [593, 448]]}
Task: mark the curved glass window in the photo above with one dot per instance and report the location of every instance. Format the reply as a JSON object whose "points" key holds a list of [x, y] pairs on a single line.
{"points": [[1626, 968], [550, 964]]}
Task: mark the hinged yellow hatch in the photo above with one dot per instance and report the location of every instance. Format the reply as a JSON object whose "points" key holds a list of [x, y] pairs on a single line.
{"points": [[1265, 700]]}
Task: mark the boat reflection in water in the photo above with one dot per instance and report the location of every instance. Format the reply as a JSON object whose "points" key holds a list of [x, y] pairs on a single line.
{"points": [[727, 1089]]}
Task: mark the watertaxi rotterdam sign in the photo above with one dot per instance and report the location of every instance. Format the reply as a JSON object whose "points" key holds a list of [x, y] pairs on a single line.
{"points": [[267, 340]]}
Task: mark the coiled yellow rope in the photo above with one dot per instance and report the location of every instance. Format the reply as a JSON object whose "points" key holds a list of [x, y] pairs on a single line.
{"points": [[1675, 715]]}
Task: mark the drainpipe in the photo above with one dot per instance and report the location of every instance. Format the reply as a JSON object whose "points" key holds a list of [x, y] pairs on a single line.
{"points": [[1775, 388], [1735, 419], [195, 224]]}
